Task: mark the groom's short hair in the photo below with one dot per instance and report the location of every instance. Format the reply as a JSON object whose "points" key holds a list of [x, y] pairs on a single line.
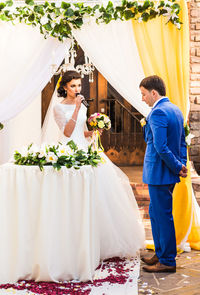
{"points": [[154, 82]]}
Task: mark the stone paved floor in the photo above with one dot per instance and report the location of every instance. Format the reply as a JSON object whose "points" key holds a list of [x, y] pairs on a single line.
{"points": [[186, 280]]}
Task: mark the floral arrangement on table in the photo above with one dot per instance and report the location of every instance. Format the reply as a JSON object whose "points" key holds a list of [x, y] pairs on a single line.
{"points": [[58, 18], [188, 135], [56, 155], [98, 121]]}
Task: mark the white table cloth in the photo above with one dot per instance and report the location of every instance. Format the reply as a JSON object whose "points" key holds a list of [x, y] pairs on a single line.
{"points": [[47, 223]]}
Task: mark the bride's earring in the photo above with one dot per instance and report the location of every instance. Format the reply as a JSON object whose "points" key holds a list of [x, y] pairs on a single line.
{"points": [[65, 92]]}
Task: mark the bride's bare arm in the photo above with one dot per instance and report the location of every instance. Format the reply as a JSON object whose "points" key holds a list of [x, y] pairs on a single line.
{"points": [[67, 127]]}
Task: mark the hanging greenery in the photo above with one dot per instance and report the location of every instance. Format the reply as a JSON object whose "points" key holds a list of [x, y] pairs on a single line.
{"points": [[57, 19]]}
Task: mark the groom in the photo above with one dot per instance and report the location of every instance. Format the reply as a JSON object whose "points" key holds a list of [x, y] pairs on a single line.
{"points": [[164, 162]]}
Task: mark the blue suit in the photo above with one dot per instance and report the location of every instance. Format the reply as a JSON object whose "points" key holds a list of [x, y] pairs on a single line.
{"points": [[165, 153]]}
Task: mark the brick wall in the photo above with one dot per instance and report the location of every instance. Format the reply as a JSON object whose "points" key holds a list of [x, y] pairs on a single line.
{"points": [[194, 13]]}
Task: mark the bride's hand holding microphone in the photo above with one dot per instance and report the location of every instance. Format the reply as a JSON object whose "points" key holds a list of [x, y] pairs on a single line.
{"points": [[83, 101], [78, 100]]}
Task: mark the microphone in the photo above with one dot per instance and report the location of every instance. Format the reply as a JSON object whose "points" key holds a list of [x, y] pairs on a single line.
{"points": [[86, 104]]}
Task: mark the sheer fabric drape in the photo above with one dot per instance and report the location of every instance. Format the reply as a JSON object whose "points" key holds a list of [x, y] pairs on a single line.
{"points": [[112, 49], [25, 67]]}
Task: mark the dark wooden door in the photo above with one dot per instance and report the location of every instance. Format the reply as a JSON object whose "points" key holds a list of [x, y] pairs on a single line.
{"points": [[123, 143]]}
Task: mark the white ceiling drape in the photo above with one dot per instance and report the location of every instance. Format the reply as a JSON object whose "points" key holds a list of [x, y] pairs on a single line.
{"points": [[25, 67], [25, 59], [112, 49]]}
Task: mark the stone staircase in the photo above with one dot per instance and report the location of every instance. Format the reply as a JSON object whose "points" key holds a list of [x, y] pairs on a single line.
{"points": [[140, 189], [195, 178], [141, 193]]}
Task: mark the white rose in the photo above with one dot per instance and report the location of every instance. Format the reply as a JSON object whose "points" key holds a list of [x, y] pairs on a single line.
{"points": [[106, 119], [173, 16], [57, 4], [168, 3], [58, 19], [24, 151], [109, 126], [178, 25], [169, 11], [33, 150], [157, 9], [189, 138], [44, 20], [97, 14], [51, 157], [86, 20], [64, 150], [43, 152], [101, 124]]}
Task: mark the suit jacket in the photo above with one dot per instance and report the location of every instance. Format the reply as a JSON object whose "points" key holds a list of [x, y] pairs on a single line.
{"points": [[166, 149]]}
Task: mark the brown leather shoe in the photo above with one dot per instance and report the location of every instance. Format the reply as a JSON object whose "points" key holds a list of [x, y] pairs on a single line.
{"points": [[159, 267], [150, 261]]}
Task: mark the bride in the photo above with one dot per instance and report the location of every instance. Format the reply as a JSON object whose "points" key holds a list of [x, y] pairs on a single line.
{"points": [[121, 232]]}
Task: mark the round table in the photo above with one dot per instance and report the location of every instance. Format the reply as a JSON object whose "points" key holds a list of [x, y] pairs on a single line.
{"points": [[48, 230]]}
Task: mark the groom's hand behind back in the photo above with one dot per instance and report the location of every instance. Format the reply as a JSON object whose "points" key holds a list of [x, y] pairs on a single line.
{"points": [[183, 172]]}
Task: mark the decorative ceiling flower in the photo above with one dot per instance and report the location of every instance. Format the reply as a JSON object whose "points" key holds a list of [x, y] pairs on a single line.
{"points": [[44, 20], [178, 25], [188, 139], [58, 18]]}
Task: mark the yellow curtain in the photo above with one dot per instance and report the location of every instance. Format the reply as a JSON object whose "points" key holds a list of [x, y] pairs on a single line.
{"points": [[164, 51]]}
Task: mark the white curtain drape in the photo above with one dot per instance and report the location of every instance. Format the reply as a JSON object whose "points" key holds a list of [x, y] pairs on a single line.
{"points": [[25, 69], [25, 66], [112, 49]]}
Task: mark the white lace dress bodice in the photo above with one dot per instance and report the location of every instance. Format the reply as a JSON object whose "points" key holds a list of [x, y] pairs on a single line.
{"points": [[62, 114]]}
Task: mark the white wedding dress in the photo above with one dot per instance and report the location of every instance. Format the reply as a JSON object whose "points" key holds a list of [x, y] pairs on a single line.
{"points": [[121, 232], [60, 225]]}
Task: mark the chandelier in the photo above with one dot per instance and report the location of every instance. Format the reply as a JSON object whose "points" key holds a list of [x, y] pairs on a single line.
{"points": [[69, 64]]}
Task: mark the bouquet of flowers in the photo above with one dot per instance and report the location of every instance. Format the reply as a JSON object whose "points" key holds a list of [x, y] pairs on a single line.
{"points": [[56, 155], [98, 122]]}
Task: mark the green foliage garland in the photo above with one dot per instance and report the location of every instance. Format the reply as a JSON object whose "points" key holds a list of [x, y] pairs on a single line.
{"points": [[57, 19], [58, 155]]}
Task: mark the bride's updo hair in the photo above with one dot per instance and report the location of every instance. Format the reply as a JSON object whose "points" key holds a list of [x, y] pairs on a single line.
{"points": [[66, 77]]}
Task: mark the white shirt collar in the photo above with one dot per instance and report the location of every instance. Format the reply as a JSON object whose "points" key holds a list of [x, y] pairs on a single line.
{"points": [[155, 103]]}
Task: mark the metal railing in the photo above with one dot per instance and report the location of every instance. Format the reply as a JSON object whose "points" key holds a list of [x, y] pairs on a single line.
{"points": [[126, 131]]}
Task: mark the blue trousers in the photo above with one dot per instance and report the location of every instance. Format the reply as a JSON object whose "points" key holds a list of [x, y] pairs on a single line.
{"points": [[162, 223]]}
